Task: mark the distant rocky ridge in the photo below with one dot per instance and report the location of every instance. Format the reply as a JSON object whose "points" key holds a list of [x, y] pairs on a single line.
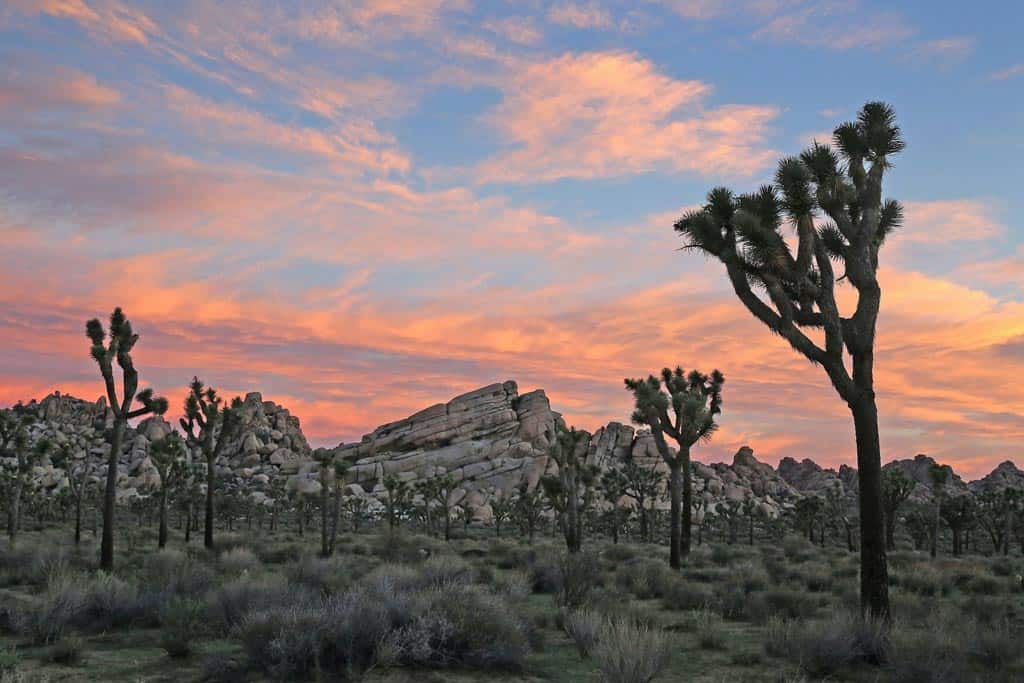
{"points": [[491, 440]]}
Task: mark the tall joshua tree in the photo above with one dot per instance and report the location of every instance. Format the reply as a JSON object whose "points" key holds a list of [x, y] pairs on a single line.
{"points": [[168, 457], [118, 349], [793, 294], [896, 489], [684, 410], [209, 424]]}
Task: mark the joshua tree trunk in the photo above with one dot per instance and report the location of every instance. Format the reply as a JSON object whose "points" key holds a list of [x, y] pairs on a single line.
{"points": [[687, 511], [336, 515], [208, 522], [676, 493], [78, 519], [874, 572], [109, 496]]}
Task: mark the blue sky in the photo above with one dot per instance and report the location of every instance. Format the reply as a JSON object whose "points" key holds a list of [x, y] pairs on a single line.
{"points": [[364, 207]]}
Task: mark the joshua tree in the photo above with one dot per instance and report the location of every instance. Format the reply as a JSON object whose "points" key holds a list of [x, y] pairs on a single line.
{"points": [[119, 349], [332, 484], [685, 411], [356, 508], [919, 525], [939, 474], [528, 509], [808, 511], [896, 489], [208, 425], [642, 485], [958, 514], [995, 515], [835, 505], [502, 508], [745, 234], [14, 436], [569, 451], [613, 486], [191, 486], [752, 512], [168, 457], [78, 482], [438, 490], [340, 470], [397, 501]]}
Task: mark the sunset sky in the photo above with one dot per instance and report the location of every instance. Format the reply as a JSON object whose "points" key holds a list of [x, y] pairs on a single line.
{"points": [[364, 207]]}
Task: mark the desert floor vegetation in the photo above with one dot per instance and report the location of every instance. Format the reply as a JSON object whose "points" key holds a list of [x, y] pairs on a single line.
{"points": [[405, 606]]}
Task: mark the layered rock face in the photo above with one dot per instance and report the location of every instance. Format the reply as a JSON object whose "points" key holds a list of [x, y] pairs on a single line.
{"points": [[490, 440]]}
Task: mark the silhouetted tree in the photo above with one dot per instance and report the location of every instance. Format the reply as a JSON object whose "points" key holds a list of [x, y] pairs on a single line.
{"points": [[684, 410], [340, 469], [958, 514], [502, 509], [14, 436], [78, 474], [642, 486], [564, 490], [939, 475], [438, 491], [995, 515], [836, 508], [119, 348], [896, 489], [169, 458], [745, 234], [808, 512], [528, 509], [613, 486], [209, 424], [397, 500]]}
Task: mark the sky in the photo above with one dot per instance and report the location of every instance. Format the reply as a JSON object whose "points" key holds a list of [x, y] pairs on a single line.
{"points": [[361, 208]]}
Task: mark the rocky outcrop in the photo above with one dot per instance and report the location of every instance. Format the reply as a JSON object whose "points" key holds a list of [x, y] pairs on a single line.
{"points": [[918, 470], [270, 443], [491, 440], [1005, 475]]}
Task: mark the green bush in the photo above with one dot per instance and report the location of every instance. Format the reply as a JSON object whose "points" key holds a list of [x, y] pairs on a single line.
{"points": [[180, 620]]}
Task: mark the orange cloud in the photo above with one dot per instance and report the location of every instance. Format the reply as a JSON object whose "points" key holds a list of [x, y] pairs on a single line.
{"points": [[612, 113]]}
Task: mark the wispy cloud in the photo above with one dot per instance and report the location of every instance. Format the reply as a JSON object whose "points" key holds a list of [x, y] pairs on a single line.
{"points": [[581, 15], [613, 113], [1008, 73]]}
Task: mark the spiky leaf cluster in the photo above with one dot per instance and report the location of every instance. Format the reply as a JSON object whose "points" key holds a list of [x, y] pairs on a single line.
{"points": [[830, 198], [104, 351], [681, 405]]}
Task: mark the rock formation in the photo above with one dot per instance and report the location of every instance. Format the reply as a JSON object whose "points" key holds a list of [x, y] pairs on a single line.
{"points": [[490, 440]]}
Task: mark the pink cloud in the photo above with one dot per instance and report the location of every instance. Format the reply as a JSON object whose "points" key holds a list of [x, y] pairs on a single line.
{"points": [[612, 113], [108, 20], [950, 220]]}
